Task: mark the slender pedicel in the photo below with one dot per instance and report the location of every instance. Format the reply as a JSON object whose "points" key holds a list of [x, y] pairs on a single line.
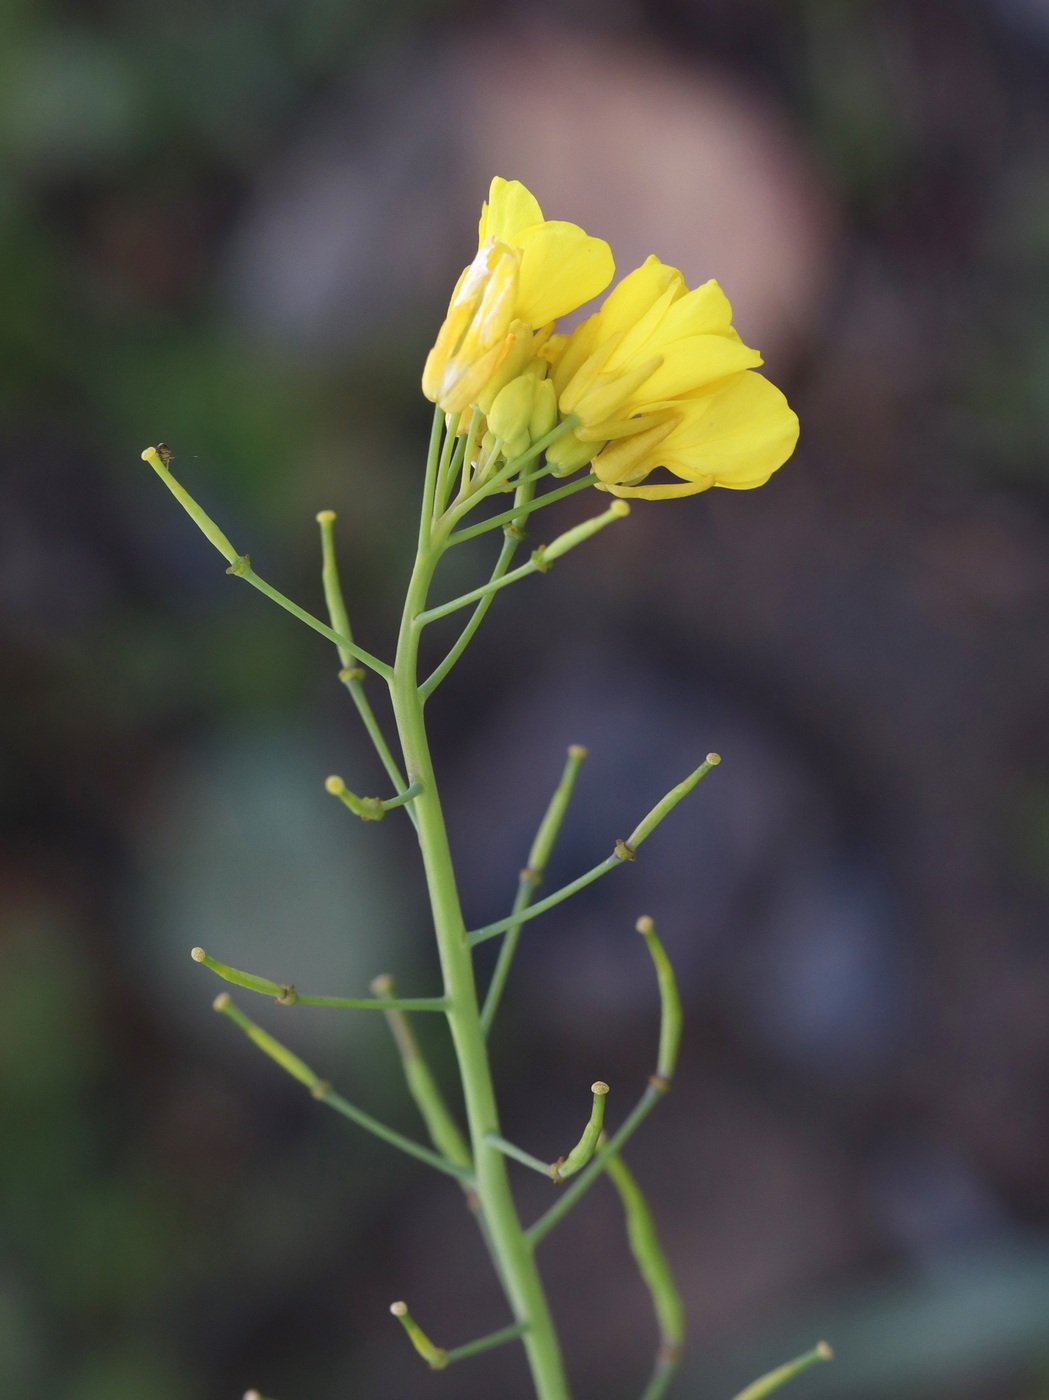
{"points": [[624, 851], [531, 877], [352, 676], [442, 1127], [369, 809], [240, 566], [322, 1090], [286, 994]]}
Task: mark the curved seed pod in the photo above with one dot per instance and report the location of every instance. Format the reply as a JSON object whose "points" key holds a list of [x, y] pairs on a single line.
{"points": [[584, 1148]]}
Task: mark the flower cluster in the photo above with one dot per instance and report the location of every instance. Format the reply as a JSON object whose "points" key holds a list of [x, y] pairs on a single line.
{"points": [[656, 378]]}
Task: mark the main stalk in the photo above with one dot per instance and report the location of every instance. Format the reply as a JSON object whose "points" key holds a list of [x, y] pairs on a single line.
{"points": [[517, 1267]]}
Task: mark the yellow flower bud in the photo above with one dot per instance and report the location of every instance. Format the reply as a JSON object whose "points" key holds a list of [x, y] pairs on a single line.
{"points": [[511, 411], [474, 338]]}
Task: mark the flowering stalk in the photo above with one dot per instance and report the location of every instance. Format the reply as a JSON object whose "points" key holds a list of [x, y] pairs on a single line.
{"points": [[657, 378]]}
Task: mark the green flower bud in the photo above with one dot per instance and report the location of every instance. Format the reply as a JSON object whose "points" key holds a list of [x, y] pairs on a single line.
{"points": [[509, 415], [568, 454], [544, 410]]}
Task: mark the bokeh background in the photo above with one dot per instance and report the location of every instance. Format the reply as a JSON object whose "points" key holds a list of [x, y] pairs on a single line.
{"points": [[231, 225]]}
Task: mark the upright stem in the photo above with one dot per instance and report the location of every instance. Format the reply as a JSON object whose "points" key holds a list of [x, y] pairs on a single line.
{"points": [[516, 1262]]}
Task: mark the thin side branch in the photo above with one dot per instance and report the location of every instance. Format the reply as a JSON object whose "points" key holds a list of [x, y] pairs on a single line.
{"points": [[529, 879], [323, 1091], [624, 851], [286, 995]]}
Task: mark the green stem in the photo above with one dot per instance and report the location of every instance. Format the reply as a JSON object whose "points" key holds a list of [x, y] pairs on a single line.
{"points": [[442, 1127], [285, 992], [624, 851], [351, 676], [240, 566], [540, 561], [431, 683], [322, 1090], [514, 534], [658, 1084], [494, 1339], [516, 1265], [510, 1149], [530, 877], [242, 569], [521, 915], [547, 499]]}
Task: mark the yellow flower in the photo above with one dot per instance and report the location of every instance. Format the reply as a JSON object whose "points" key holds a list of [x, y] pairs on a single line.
{"points": [[659, 378], [527, 272]]}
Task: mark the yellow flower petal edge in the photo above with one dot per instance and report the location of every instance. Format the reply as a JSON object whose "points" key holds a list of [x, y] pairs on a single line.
{"points": [[527, 272], [736, 438]]}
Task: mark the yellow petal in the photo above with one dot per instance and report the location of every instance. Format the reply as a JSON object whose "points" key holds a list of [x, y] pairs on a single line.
{"points": [[580, 343], [692, 362], [704, 311], [611, 391], [627, 302], [620, 460], [510, 208], [746, 431], [561, 268]]}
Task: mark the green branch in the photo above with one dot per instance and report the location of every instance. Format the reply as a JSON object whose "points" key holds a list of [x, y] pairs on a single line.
{"points": [[624, 851], [442, 1127], [286, 995], [547, 499], [540, 561], [369, 809], [323, 1091], [240, 567], [530, 877], [351, 676], [435, 678], [509, 1149], [669, 1035], [494, 1339]]}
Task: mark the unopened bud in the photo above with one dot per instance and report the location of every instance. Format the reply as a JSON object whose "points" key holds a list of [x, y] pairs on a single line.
{"points": [[511, 411], [544, 410], [568, 454]]}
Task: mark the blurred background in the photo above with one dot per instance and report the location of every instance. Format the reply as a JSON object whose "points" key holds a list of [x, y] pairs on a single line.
{"points": [[232, 225]]}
